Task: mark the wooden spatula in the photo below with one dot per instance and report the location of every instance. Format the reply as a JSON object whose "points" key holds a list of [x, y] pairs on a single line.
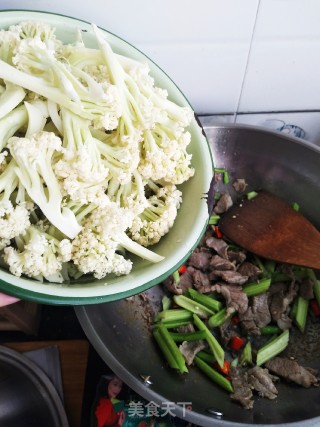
{"points": [[269, 227]]}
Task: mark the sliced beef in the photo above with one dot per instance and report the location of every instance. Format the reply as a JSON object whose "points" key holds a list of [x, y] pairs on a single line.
{"points": [[263, 382], [236, 299], [250, 270], [189, 349], [185, 329], [242, 392], [257, 315], [172, 286], [280, 303], [223, 204], [219, 263], [186, 282], [219, 245], [237, 257], [306, 289], [232, 277], [292, 371], [200, 259], [240, 185], [201, 282]]}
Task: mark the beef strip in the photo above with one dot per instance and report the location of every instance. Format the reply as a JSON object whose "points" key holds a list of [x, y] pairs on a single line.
{"points": [[201, 281], [232, 277], [280, 303], [292, 371], [236, 299], [242, 392], [172, 286], [257, 315], [263, 382], [306, 289], [238, 257], [219, 263], [200, 259], [250, 270], [223, 204], [219, 245], [189, 349], [240, 185]]}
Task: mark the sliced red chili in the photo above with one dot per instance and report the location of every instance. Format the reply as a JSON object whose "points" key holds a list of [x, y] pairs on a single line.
{"points": [[315, 308], [235, 320], [218, 232], [236, 343], [225, 369], [182, 269]]}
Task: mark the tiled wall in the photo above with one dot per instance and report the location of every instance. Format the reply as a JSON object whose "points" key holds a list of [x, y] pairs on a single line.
{"points": [[225, 55]]}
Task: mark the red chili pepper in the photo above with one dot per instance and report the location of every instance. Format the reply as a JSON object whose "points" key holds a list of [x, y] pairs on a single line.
{"points": [[236, 343], [315, 308], [225, 369], [218, 232], [182, 269]]}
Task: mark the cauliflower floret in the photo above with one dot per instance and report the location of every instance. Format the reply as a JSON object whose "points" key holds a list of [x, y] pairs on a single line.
{"points": [[38, 254], [157, 219]]}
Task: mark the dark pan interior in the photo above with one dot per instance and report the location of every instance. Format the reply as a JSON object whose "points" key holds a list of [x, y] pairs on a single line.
{"points": [[119, 330]]}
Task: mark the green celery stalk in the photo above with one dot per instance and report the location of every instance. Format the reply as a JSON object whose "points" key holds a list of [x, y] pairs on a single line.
{"points": [[214, 219], [171, 324], [213, 374], [219, 318], [270, 330], [173, 348], [214, 345], [165, 349], [173, 315], [257, 288], [301, 313], [193, 306], [188, 336], [166, 303], [246, 355], [273, 348], [205, 300], [207, 357]]}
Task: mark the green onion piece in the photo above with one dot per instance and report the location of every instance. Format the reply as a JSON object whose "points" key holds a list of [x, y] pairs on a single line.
{"points": [[165, 349], [173, 348], [246, 355], [251, 195], [214, 219], [213, 374], [188, 336], [214, 345], [257, 288], [273, 348], [207, 357], [193, 306], [270, 330], [173, 315], [302, 312], [166, 303], [296, 206], [205, 300], [176, 276], [219, 318]]}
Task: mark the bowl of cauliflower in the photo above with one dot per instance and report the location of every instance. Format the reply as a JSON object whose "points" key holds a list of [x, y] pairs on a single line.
{"points": [[103, 166]]}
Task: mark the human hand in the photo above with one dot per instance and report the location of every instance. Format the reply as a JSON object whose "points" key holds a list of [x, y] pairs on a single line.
{"points": [[7, 299]]}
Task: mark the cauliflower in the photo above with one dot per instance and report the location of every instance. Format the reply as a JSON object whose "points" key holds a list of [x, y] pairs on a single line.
{"points": [[38, 255], [96, 249], [159, 215]]}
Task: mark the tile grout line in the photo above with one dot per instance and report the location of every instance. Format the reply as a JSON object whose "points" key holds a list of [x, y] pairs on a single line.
{"points": [[235, 114]]}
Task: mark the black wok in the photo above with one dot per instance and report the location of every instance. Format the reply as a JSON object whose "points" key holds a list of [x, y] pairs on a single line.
{"points": [[119, 330]]}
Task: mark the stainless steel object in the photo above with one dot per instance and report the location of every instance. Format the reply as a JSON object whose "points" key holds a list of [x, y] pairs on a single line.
{"points": [[119, 331], [27, 397]]}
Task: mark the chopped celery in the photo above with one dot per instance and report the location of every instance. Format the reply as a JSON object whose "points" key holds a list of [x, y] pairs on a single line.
{"points": [[176, 277], [251, 195], [193, 306], [296, 206], [213, 374], [169, 344], [301, 313], [188, 336], [173, 315], [257, 288], [219, 318], [205, 300], [270, 330], [166, 303], [273, 348], [214, 219], [214, 345], [246, 355], [164, 348], [207, 357]]}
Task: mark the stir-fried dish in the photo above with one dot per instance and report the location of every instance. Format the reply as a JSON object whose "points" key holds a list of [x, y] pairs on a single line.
{"points": [[232, 314]]}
